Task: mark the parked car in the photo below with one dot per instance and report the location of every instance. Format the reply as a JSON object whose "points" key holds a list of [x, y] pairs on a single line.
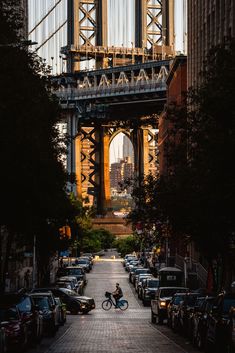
{"points": [[63, 310], [139, 271], [132, 271], [173, 310], [159, 304], [3, 347], [69, 282], [139, 279], [131, 264], [13, 328], [170, 277], [90, 256], [76, 271], [89, 261], [220, 324], [74, 303], [29, 314], [186, 312], [84, 263], [49, 312], [128, 257], [201, 311], [148, 289]]}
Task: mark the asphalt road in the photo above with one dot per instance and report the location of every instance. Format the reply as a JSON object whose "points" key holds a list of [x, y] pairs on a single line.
{"points": [[114, 331]]}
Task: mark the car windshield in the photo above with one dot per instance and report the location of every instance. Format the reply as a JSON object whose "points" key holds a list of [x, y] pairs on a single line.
{"points": [[153, 283], [141, 270], [178, 299], [83, 262], [191, 300], [228, 303], [69, 292], [8, 314], [42, 302], [168, 292]]}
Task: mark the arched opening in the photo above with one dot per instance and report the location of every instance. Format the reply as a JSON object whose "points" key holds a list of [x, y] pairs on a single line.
{"points": [[121, 159]]}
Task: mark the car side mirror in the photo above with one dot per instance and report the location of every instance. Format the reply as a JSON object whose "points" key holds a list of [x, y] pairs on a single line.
{"points": [[53, 306]]}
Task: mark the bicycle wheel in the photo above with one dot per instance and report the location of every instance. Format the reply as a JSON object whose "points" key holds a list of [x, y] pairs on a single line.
{"points": [[106, 305], [123, 304]]}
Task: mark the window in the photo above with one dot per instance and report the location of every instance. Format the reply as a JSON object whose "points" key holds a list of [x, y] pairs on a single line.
{"points": [[25, 305]]}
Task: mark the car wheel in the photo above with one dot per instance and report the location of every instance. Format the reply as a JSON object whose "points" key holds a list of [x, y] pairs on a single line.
{"points": [[159, 319], [153, 318], [74, 309], [84, 312], [25, 340]]}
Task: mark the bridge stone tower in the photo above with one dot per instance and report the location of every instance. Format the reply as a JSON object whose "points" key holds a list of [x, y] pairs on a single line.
{"points": [[124, 93]]}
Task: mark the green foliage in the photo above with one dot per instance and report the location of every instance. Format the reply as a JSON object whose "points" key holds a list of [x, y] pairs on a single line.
{"points": [[200, 194], [33, 179], [197, 195], [126, 245]]}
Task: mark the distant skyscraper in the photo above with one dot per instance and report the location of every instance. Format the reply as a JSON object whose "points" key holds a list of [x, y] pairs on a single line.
{"points": [[127, 148], [47, 25], [209, 23]]}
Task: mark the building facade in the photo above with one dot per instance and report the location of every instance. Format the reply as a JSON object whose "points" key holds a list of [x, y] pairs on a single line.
{"points": [[209, 23]]}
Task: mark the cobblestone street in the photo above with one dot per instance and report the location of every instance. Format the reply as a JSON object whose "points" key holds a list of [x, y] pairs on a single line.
{"points": [[113, 331]]}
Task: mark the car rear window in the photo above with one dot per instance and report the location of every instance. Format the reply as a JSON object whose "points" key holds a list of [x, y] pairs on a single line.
{"points": [[153, 283], [42, 302], [178, 299], [228, 303], [169, 292]]}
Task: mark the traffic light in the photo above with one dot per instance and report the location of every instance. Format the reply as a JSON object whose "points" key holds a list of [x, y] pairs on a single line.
{"points": [[68, 232], [65, 232]]}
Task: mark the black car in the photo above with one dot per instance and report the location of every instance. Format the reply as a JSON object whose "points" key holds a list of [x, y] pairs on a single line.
{"points": [[186, 311], [3, 346], [173, 310], [30, 316], [74, 303], [148, 290], [75, 271], [220, 324], [201, 311], [50, 323]]}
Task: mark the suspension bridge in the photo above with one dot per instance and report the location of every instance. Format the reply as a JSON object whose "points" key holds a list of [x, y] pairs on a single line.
{"points": [[117, 56]]}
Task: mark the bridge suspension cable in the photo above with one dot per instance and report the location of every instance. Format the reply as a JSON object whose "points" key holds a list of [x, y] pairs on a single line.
{"points": [[51, 35], [44, 17]]}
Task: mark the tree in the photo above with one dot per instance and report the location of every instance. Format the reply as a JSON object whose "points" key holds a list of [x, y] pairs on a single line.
{"points": [[199, 194], [33, 179]]}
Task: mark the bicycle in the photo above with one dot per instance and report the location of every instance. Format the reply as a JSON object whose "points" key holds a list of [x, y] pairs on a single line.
{"points": [[108, 303]]}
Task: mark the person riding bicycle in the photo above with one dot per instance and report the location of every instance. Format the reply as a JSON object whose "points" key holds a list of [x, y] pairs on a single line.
{"points": [[117, 294]]}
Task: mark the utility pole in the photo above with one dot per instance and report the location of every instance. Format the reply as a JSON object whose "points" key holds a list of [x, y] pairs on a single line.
{"points": [[34, 261]]}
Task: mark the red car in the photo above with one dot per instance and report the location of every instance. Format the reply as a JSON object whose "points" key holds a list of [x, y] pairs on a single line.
{"points": [[21, 319], [15, 328]]}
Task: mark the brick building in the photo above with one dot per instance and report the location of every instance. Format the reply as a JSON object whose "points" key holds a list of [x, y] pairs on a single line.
{"points": [[209, 23]]}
